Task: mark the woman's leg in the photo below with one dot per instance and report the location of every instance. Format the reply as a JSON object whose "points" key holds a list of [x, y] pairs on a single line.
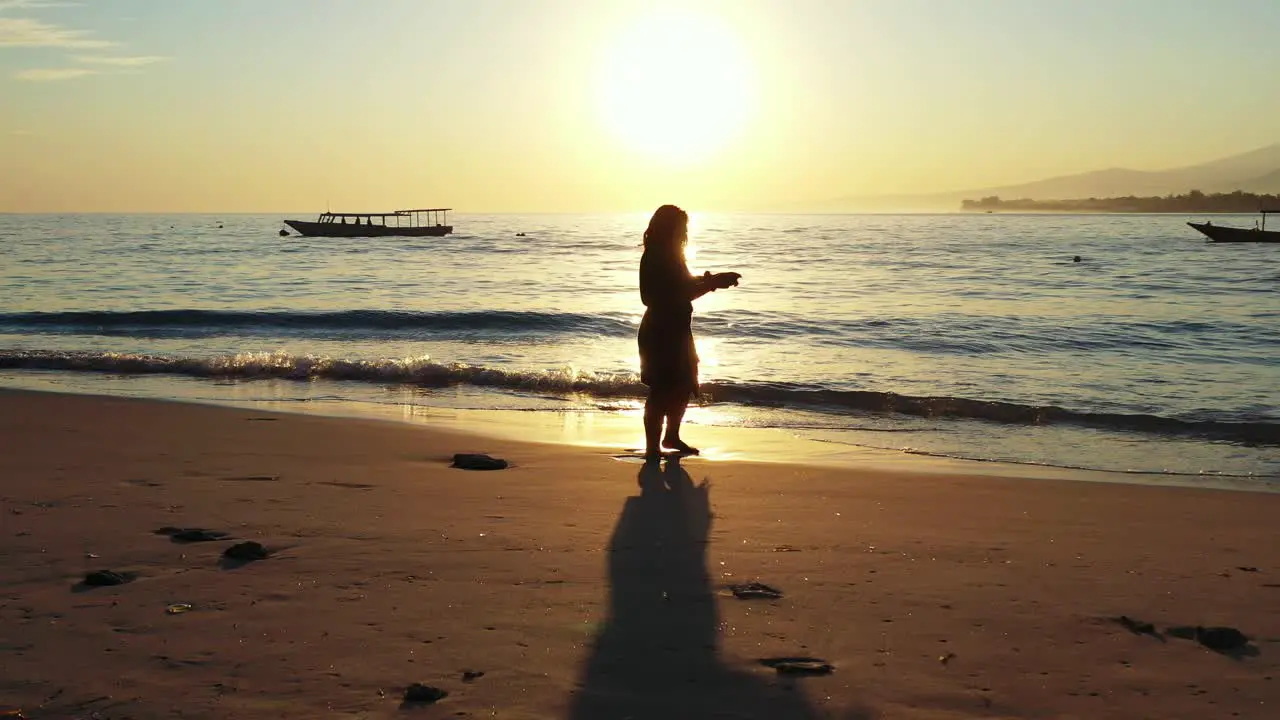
{"points": [[655, 408], [676, 406]]}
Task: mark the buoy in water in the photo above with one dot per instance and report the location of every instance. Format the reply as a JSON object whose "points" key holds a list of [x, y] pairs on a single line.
{"points": [[1076, 259], [284, 233]]}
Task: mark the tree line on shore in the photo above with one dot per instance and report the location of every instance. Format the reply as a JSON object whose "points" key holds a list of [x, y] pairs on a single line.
{"points": [[1194, 201]]}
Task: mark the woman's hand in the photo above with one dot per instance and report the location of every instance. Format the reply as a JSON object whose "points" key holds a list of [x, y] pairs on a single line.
{"points": [[725, 280], [707, 282]]}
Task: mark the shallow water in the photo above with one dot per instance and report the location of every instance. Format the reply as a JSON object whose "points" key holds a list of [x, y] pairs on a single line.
{"points": [[973, 336]]}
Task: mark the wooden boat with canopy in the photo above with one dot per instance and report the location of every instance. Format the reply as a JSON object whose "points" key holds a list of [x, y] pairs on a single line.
{"points": [[1226, 234], [424, 222]]}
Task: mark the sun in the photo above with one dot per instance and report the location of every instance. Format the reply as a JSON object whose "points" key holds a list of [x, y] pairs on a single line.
{"points": [[676, 87]]}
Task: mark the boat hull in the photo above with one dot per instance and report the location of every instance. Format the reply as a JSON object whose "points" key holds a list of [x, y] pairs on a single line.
{"points": [[1223, 234], [351, 230]]}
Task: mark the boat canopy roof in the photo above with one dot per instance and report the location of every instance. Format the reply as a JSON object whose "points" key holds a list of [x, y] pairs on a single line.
{"points": [[334, 214], [397, 213]]}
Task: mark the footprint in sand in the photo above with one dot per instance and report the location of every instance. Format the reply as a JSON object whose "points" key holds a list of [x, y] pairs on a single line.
{"points": [[251, 478]]}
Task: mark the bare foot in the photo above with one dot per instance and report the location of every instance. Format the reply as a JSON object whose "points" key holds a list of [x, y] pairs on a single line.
{"points": [[680, 446], [652, 456]]}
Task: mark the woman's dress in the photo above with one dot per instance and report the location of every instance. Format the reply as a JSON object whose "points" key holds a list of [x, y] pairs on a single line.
{"points": [[668, 359]]}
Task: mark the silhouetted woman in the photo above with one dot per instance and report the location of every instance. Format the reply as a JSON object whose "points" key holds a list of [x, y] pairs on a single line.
{"points": [[668, 360]]}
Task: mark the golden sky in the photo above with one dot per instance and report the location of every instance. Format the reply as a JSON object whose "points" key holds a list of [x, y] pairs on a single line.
{"points": [[576, 105]]}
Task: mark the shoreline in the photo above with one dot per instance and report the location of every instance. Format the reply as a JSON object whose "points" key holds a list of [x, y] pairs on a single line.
{"points": [[617, 433], [583, 587]]}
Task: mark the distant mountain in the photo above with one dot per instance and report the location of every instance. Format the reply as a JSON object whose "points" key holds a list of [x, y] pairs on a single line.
{"points": [[1269, 183], [1254, 171], [1222, 175]]}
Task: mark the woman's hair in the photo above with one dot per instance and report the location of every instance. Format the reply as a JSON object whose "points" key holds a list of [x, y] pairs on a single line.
{"points": [[668, 223]]}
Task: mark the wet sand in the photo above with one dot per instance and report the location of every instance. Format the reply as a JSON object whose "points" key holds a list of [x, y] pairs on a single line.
{"points": [[585, 587]]}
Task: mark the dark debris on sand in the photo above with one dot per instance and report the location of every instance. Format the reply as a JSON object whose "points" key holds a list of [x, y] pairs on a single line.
{"points": [[1224, 640], [1138, 627], [799, 665], [192, 535], [1220, 639], [755, 591], [418, 693]]}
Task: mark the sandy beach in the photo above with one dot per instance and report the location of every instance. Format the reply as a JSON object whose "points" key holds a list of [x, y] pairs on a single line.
{"points": [[574, 585]]}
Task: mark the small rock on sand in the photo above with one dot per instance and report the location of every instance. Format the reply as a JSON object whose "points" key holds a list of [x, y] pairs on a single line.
{"points": [[1221, 639], [106, 578], [478, 461], [419, 693], [246, 551]]}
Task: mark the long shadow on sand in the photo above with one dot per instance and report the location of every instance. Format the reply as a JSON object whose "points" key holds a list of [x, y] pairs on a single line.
{"points": [[658, 653]]}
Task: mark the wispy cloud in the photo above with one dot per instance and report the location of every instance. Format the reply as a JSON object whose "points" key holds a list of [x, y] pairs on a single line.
{"points": [[137, 61], [22, 133], [29, 32], [32, 4], [53, 74], [26, 32]]}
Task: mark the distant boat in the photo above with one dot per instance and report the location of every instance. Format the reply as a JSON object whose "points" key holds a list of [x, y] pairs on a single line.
{"points": [[428, 222], [1226, 234]]}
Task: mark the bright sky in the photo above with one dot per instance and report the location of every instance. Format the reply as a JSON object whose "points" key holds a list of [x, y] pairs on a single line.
{"points": [[590, 105]]}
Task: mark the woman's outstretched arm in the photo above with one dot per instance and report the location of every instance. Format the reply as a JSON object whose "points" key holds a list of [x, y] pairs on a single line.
{"points": [[700, 285], [662, 282]]}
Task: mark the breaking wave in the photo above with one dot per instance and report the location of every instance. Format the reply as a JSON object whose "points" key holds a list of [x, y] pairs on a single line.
{"points": [[422, 371]]}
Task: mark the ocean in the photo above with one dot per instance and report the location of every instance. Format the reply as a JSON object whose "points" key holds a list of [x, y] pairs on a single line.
{"points": [[974, 337]]}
